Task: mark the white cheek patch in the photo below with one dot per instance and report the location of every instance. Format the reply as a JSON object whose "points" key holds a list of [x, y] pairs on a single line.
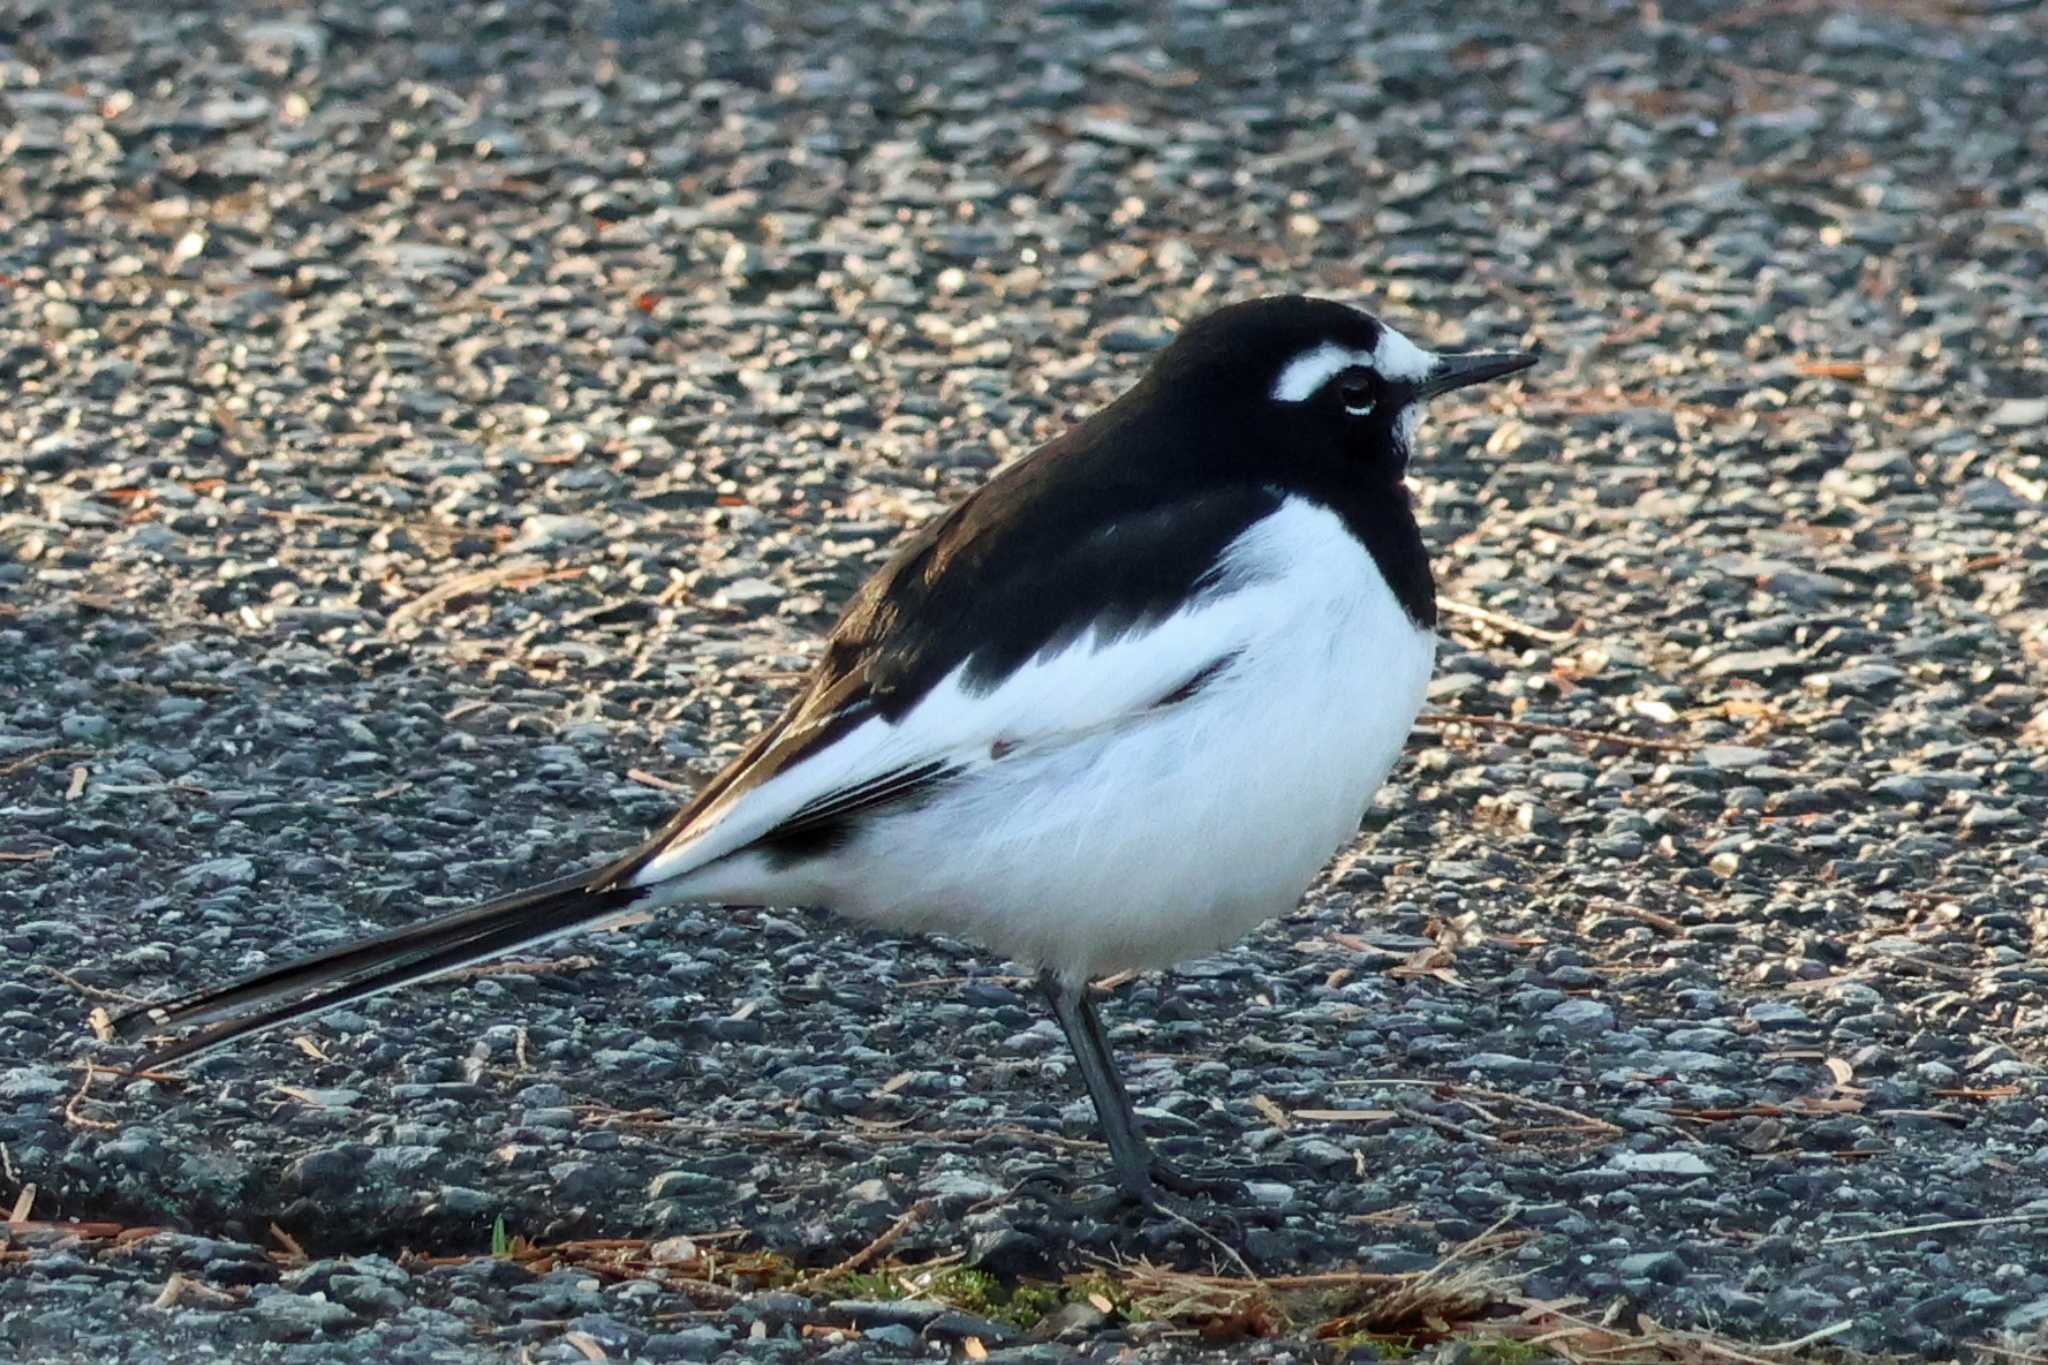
{"points": [[1404, 428], [1400, 359], [1312, 369]]}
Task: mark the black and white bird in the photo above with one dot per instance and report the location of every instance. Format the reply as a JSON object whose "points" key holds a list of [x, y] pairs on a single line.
{"points": [[1113, 710]]}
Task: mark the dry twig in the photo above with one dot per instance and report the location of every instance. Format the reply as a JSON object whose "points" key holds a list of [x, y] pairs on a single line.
{"points": [[1455, 1129], [910, 1219], [1507, 625], [647, 779], [586, 1345], [523, 967], [292, 1250], [1531, 727], [1506, 1097], [180, 1287], [1948, 1226], [859, 1132], [30, 760], [518, 573], [1661, 923], [91, 992], [71, 1114]]}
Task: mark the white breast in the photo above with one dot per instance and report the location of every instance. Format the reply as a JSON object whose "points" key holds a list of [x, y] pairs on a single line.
{"points": [[1178, 829]]}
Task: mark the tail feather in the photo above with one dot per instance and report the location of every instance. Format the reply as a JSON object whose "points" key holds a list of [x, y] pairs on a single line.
{"points": [[259, 1002]]}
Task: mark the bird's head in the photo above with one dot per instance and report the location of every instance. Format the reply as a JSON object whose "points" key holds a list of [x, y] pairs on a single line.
{"points": [[1337, 377]]}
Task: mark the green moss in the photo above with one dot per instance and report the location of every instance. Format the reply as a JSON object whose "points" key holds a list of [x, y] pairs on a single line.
{"points": [[1021, 1305], [877, 1286], [500, 1243], [1386, 1348], [1486, 1349], [972, 1290], [1027, 1304]]}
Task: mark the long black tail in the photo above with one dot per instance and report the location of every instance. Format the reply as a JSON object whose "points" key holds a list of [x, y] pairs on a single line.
{"points": [[341, 976]]}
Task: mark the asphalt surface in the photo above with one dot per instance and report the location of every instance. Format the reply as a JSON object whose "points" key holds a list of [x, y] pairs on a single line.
{"points": [[434, 432]]}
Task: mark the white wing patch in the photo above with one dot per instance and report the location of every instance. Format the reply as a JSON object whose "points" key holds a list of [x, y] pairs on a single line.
{"points": [[1094, 681], [1396, 357]]}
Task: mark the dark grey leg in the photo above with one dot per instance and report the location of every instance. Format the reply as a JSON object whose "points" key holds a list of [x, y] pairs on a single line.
{"points": [[1140, 1173], [1129, 1153]]}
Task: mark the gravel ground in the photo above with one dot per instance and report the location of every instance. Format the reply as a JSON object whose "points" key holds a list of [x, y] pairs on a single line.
{"points": [[427, 424]]}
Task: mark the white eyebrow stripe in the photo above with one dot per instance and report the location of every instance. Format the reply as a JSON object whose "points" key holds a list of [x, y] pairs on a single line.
{"points": [[1398, 358], [1312, 369]]}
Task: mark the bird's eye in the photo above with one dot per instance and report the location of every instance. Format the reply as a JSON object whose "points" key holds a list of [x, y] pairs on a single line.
{"points": [[1358, 391]]}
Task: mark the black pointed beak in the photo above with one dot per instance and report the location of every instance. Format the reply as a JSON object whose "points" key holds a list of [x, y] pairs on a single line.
{"points": [[1456, 371]]}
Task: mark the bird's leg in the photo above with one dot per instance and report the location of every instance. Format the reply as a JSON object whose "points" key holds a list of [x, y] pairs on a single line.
{"points": [[1129, 1153], [1138, 1170]]}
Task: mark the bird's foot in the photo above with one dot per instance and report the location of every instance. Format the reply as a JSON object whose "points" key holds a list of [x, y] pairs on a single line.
{"points": [[1125, 1200], [1224, 1192], [1225, 1184]]}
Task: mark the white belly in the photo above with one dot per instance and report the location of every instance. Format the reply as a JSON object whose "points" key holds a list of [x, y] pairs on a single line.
{"points": [[1181, 829]]}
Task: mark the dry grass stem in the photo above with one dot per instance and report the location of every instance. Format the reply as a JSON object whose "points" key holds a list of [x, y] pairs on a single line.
{"points": [[688, 1265], [1949, 1226], [1458, 1289]]}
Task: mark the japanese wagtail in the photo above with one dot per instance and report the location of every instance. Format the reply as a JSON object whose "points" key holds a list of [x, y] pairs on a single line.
{"points": [[1113, 710]]}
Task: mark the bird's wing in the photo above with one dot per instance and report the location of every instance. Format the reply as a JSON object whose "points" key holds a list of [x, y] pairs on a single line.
{"points": [[996, 627]]}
